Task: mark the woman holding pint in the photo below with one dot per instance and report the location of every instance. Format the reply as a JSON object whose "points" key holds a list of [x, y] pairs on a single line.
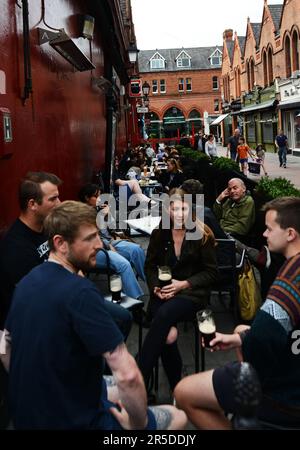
{"points": [[180, 271]]}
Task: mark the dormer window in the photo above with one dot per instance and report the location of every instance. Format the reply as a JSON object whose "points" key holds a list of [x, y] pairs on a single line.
{"points": [[183, 60], [157, 62], [216, 58]]}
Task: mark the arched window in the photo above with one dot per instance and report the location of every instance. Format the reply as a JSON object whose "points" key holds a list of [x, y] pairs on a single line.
{"points": [[194, 121], [252, 76], [248, 76], [238, 82], [295, 50], [288, 65], [270, 66], [228, 87], [265, 68]]}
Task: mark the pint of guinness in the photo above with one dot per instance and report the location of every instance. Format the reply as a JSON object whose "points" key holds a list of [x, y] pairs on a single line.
{"points": [[116, 288], [207, 326], [164, 276]]}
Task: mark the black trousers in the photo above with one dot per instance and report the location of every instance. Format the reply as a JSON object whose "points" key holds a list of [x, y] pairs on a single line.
{"points": [[165, 315]]}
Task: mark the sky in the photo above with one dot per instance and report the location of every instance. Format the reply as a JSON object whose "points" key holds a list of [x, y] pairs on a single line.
{"points": [[191, 23]]}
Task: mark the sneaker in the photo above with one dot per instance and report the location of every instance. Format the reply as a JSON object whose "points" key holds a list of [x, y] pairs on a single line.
{"points": [[280, 165], [284, 166]]}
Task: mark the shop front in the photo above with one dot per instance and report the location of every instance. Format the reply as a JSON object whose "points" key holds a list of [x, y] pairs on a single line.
{"points": [[290, 112]]}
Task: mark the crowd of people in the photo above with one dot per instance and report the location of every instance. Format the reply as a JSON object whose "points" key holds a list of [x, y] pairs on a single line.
{"points": [[58, 330]]}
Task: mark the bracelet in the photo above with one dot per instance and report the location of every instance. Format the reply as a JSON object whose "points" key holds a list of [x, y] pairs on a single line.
{"points": [[218, 202]]}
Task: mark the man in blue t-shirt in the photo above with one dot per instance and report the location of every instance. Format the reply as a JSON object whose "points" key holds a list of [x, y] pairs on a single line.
{"points": [[60, 333], [281, 143]]}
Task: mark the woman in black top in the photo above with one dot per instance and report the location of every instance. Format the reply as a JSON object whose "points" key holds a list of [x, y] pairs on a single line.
{"points": [[192, 260]]}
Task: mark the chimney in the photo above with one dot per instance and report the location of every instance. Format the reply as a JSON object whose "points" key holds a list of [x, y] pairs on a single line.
{"points": [[228, 35]]}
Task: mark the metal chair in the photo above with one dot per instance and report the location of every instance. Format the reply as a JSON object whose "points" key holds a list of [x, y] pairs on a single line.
{"points": [[229, 265]]}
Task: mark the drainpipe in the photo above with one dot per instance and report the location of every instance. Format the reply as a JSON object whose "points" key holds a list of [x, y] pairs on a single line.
{"points": [[26, 51]]}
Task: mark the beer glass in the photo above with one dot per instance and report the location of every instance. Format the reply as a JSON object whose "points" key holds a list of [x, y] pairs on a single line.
{"points": [[207, 326], [115, 283], [164, 276]]}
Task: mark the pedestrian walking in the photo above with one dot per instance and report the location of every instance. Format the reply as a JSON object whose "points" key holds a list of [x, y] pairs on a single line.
{"points": [[260, 155], [281, 143]]}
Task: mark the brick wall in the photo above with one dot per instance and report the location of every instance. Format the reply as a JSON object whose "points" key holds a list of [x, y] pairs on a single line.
{"points": [[201, 97]]}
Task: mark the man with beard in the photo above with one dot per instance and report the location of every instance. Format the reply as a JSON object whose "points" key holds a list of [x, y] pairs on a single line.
{"points": [[61, 333]]}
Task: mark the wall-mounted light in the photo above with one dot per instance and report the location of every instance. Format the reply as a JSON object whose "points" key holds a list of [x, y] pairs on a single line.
{"points": [[88, 27], [133, 53], [67, 48]]}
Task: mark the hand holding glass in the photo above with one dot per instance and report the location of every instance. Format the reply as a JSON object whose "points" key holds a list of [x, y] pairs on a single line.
{"points": [[207, 326]]}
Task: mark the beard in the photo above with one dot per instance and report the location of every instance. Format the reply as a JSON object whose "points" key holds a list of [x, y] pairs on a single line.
{"points": [[82, 264]]}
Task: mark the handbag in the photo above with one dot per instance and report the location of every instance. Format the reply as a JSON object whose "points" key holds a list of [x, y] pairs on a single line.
{"points": [[249, 296]]}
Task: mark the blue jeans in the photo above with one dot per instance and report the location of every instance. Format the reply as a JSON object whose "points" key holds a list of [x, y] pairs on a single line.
{"points": [[120, 265], [133, 253], [282, 155]]}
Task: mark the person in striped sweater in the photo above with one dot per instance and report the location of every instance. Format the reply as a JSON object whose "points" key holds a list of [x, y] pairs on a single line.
{"points": [[271, 345]]}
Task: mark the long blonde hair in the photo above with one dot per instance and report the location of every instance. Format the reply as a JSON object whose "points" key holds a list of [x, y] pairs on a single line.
{"points": [[206, 232]]}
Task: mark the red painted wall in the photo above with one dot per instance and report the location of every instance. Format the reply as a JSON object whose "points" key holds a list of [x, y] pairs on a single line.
{"points": [[62, 127]]}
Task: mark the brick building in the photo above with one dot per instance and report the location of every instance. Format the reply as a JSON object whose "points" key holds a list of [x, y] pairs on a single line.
{"points": [[261, 79], [185, 89]]}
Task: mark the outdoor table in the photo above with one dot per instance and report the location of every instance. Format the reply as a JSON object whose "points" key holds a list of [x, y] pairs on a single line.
{"points": [[145, 224]]}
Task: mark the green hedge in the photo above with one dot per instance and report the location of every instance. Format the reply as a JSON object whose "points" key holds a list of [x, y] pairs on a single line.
{"points": [[277, 187], [226, 164], [194, 155]]}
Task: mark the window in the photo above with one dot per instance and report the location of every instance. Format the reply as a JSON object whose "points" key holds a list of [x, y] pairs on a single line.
{"points": [[297, 128], [154, 87], [188, 82], [216, 105], [215, 83], [157, 62], [181, 85], [183, 60], [267, 128], [288, 63], [251, 129], [265, 68], [295, 49], [162, 86], [216, 58], [270, 66]]}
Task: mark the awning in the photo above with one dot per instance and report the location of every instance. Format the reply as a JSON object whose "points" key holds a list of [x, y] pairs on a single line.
{"points": [[219, 119], [260, 106], [295, 103]]}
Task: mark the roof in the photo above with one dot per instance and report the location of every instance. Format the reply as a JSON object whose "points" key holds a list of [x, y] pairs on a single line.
{"points": [[242, 40], [199, 58], [256, 27], [276, 12], [230, 48]]}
